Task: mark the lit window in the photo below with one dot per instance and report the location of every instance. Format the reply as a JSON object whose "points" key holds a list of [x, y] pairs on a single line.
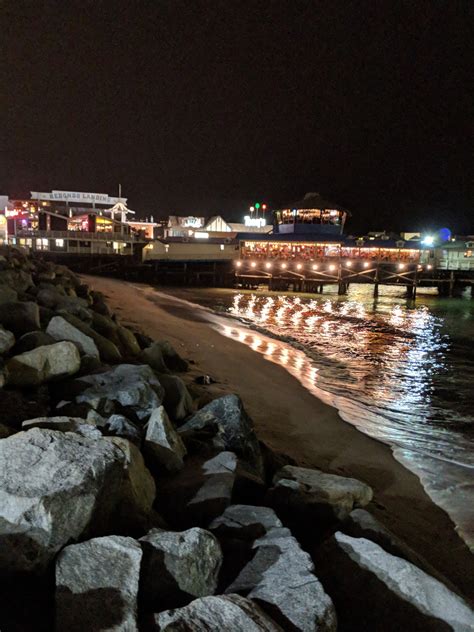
{"points": [[222, 246], [60, 243]]}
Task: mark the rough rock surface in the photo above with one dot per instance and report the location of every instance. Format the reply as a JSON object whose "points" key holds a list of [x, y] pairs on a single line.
{"points": [[128, 342], [234, 427], [7, 340], [137, 490], [60, 329], [171, 357], [177, 401], [178, 567], [163, 445], [245, 522], [54, 487], [31, 340], [97, 585], [224, 613], [64, 424], [280, 577], [20, 317], [374, 590], [215, 495], [120, 426], [302, 494], [7, 294], [43, 364], [107, 348], [153, 356], [132, 387]]}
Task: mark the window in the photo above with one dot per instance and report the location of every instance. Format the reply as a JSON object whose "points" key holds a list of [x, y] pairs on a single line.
{"points": [[222, 246], [60, 243]]}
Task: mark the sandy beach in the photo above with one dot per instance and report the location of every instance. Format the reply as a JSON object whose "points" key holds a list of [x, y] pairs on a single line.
{"points": [[291, 420]]}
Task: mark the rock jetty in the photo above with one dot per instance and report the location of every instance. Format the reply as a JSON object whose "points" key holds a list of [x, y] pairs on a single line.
{"points": [[125, 505]]}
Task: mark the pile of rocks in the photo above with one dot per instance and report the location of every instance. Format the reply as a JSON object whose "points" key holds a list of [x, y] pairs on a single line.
{"points": [[125, 507]]}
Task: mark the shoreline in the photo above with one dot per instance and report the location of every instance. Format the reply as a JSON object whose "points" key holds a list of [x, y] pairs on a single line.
{"points": [[281, 408]]}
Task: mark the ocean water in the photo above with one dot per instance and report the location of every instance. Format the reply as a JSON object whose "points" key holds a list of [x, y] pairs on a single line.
{"points": [[399, 371]]}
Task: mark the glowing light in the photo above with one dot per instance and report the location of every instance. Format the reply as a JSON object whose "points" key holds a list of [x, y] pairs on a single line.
{"points": [[253, 264], [299, 266], [238, 263], [349, 263], [268, 265], [264, 207], [428, 240], [315, 266], [283, 265], [251, 209], [257, 206], [332, 267], [429, 266], [401, 266], [366, 264]]}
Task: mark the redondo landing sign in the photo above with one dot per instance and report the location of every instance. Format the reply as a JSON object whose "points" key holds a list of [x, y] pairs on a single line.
{"points": [[77, 196]]}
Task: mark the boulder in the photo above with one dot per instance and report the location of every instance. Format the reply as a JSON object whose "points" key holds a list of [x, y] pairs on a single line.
{"points": [[97, 585], [107, 349], [7, 340], [31, 340], [225, 612], [7, 294], [153, 356], [128, 387], [43, 364], [199, 492], [313, 500], [234, 427], [17, 405], [64, 424], [178, 402], [60, 329], [105, 326], [137, 491], [280, 578], [18, 280], [127, 341], [53, 299], [171, 357], [120, 426], [178, 567], [20, 317], [245, 522], [373, 590], [163, 445], [54, 487]]}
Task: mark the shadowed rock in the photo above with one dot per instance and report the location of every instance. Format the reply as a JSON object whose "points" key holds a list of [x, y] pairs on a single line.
{"points": [[178, 567], [60, 329], [374, 590], [226, 612], [280, 577], [177, 401], [20, 317], [7, 340], [163, 445], [43, 364], [245, 522], [97, 585], [64, 424]]}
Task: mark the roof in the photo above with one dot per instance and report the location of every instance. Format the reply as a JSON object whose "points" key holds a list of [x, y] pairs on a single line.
{"points": [[315, 200]]}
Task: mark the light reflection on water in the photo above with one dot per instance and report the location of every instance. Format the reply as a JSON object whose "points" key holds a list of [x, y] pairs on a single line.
{"points": [[397, 372]]}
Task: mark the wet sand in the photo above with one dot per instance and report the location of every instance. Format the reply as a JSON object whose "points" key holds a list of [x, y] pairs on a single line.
{"points": [[291, 420]]}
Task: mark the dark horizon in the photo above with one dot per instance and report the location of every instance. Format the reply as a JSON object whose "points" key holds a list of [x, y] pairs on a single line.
{"points": [[201, 108]]}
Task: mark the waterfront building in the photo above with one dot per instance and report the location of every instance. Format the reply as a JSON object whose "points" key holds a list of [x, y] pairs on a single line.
{"points": [[311, 215]]}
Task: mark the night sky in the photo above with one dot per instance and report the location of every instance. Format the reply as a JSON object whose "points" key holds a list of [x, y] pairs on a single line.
{"points": [[203, 107]]}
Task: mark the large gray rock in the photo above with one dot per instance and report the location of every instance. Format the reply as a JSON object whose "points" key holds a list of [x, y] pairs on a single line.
{"points": [[163, 445], [131, 387], [128, 342], [97, 585], [235, 428], [280, 578], [107, 348], [64, 424], [61, 329], [7, 340], [137, 491], [18, 280], [20, 317], [314, 498], [43, 364], [245, 522], [373, 590], [53, 299], [177, 401], [31, 340], [215, 494], [153, 356], [7, 294], [120, 426], [223, 613], [178, 567], [55, 487]]}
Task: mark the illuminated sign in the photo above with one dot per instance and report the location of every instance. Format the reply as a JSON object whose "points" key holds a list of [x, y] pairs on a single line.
{"points": [[192, 222], [201, 235], [77, 196], [257, 222]]}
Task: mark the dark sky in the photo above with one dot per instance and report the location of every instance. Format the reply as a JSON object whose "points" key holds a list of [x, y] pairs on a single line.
{"points": [[205, 106]]}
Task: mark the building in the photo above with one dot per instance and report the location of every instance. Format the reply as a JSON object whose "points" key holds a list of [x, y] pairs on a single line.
{"points": [[311, 215]]}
